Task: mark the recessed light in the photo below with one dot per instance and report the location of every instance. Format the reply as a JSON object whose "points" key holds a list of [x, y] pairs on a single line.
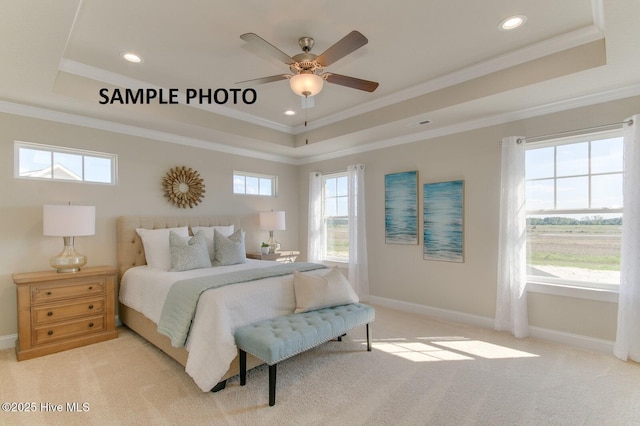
{"points": [[131, 57], [289, 112], [512, 22]]}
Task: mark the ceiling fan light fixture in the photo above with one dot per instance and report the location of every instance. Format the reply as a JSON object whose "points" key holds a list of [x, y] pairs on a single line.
{"points": [[306, 84]]}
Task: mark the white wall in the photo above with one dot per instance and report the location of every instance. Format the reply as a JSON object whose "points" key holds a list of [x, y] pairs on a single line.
{"points": [[142, 163]]}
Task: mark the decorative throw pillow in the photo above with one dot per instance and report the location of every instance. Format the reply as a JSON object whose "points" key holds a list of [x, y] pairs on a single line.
{"points": [[156, 245], [317, 292], [188, 253], [229, 250], [208, 235]]}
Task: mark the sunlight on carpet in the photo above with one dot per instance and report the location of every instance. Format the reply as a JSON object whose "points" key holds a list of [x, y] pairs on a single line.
{"points": [[446, 349]]}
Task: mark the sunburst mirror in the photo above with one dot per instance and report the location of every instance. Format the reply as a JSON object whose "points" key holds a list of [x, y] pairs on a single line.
{"points": [[183, 187]]}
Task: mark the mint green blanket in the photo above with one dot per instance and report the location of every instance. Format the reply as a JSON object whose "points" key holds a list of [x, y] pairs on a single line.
{"points": [[180, 305]]}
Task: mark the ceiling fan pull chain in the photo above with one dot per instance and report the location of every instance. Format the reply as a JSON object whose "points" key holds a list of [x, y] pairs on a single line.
{"points": [[306, 97]]}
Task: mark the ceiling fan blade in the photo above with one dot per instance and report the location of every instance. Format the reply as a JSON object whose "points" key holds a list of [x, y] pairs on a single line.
{"points": [[349, 43], [354, 83], [264, 80], [266, 47]]}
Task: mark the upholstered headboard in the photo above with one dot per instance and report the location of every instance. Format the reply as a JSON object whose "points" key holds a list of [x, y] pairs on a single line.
{"points": [[129, 244]]}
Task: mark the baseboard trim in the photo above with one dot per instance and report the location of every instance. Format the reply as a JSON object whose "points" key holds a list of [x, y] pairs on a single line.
{"points": [[570, 339], [8, 341], [430, 311], [576, 340]]}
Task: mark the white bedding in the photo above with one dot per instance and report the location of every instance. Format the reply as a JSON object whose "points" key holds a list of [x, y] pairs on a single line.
{"points": [[220, 311]]}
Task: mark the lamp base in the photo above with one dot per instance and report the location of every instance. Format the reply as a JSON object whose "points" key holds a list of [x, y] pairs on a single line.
{"points": [[273, 244], [68, 260]]}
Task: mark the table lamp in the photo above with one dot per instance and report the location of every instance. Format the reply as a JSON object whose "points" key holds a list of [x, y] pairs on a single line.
{"points": [[68, 222], [272, 221]]}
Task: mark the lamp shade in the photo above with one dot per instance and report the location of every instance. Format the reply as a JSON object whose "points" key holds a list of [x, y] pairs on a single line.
{"points": [[68, 221], [272, 221], [306, 84]]}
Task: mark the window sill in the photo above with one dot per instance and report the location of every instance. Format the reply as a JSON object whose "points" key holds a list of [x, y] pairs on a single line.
{"points": [[600, 295], [332, 263]]}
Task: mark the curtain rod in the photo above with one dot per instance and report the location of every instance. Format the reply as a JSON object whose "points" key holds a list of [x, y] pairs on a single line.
{"points": [[603, 126]]}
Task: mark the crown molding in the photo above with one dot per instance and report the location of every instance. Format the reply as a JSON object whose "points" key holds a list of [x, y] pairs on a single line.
{"points": [[119, 80], [110, 126], [508, 60], [78, 120], [529, 53], [564, 105]]}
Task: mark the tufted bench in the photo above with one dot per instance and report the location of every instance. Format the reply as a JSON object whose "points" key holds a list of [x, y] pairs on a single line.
{"points": [[277, 339]]}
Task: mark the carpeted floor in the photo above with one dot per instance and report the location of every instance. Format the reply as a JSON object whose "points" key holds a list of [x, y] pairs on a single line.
{"points": [[421, 372]]}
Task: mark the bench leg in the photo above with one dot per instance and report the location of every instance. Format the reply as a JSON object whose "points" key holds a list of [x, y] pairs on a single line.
{"points": [[221, 385], [368, 339], [272, 385], [243, 367]]}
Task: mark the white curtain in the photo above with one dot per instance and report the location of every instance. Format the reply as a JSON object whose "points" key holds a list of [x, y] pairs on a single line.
{"points": [[358, 269], [627, 344], [511, 300], [315, 238]]}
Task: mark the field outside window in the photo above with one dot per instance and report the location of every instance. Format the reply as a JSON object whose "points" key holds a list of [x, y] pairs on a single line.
{"points": [[574, 211], [336, 217]]}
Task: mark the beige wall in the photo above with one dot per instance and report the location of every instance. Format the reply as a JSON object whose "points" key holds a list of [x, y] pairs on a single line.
{"points": [[142, 163], [398, 272]]}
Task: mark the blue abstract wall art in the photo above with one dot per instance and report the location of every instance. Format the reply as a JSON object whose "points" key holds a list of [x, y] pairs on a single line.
{"points": [[443, 217], [401, 208]]}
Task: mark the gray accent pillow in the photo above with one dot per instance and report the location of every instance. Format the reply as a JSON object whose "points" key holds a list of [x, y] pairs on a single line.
{"points": [[226, 230], [188, 253], [229, 250]]}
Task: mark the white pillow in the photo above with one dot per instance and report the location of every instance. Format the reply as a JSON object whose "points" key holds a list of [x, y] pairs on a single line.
{"points": [[188, 253], [317, 292], [229, 250], [156, 245], [208, 235]]}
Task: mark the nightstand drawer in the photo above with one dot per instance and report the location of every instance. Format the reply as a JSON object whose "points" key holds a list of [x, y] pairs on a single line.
{"points": [[81, 327], [80, 288], [59, 312]]}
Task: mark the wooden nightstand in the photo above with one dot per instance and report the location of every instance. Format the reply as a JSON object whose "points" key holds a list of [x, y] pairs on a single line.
{"points": [[286, 256], [60, 311]]}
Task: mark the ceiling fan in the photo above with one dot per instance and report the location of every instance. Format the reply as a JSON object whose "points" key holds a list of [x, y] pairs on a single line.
{"points": [[308, 75]]}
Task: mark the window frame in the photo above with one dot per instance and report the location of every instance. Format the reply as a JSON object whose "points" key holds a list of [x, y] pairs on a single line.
{"points": [[325, 177], [555, 285], [52, 149], [273, 179]]}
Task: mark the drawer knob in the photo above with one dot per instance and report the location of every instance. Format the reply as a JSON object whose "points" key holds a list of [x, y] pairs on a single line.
{"points": [[48, 293], [90, 287], [90, 306], [50, 332], [49, 313], [90, 324]]}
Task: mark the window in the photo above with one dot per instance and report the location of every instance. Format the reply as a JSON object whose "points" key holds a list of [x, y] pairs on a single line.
{"points": [[335, 215], [574, 210], [254, 184], [36, 161]]}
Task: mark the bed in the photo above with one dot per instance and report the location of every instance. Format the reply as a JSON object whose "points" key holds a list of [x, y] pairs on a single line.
{"points": [[209, 355]]}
